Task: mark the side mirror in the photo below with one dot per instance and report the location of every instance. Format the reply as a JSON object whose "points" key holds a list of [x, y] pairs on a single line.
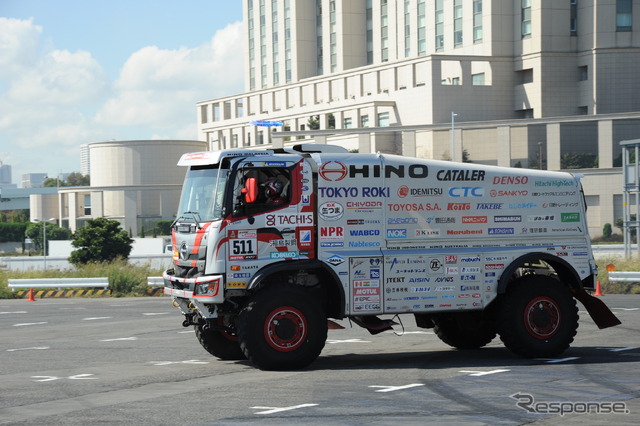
{"points": [[250, 191]]}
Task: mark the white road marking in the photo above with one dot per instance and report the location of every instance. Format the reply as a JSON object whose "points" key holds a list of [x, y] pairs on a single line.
{"points": [[95, 318], [332, 341], [29, 349], [187, 331], [190, 361], [74, 377], [476, 373], [619, 349], [29, 323], [10, 313], [154, 313], [557, 360], [271, 410], [119, 339], [395, 388], [627, 309]]}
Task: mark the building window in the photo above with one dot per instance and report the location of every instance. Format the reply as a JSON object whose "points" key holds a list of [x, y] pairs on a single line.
{"points": [[320, 57], [583, 73], [623, 15], [287, 42], [455, 81], [263, 46], [203, 114], [384, 31], [383, 119], [524, 113], [573, 19], [252, 62], [333, 35], [407, 28], [457, 22], [477, 21], [524, 76], [525, 18], [422, 28], [234, 141], [274, 41], [369, 19], [477, 79], [87, 205], [439, 26], [364, 121], [583, 110], [347, 123]]}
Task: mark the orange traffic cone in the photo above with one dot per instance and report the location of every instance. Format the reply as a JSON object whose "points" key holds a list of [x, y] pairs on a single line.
{"points": [[31, 298], [598, 290]]}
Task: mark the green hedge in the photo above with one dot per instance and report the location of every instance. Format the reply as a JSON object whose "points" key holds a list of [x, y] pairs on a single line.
{"points": [[12, 232]]}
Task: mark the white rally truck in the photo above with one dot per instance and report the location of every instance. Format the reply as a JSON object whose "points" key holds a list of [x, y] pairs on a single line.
{"points": [[270, 246]]}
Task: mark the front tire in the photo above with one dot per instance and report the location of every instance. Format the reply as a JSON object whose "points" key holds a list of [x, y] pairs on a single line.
{"points": [[282, 328], [220, 343], [537, 317]]}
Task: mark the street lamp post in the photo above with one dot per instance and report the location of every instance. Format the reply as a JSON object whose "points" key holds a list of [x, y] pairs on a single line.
{"points": [[453, 130], [44, 238]]}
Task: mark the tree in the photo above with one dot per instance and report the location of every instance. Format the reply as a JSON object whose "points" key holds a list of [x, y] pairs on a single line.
{"points": [[314, 122], [74, 179], [606, 230], [100, 240], [35, 232], [619, 223]]}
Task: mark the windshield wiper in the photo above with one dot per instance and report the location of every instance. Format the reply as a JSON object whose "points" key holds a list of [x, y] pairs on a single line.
{"points": [[193, 215]]}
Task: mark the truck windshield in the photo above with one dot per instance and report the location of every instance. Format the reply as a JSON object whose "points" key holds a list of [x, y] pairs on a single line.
{"points": [[203, 193]]}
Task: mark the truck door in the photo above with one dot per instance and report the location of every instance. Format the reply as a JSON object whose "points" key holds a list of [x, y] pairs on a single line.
{"points": [[271, 219]]}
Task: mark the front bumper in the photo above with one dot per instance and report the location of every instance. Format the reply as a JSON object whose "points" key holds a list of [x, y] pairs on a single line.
{"points": [[204, 289]]}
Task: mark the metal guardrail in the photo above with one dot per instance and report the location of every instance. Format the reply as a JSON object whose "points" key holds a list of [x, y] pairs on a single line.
{"points": [[155, 281], [624, 276], [101, 282]]}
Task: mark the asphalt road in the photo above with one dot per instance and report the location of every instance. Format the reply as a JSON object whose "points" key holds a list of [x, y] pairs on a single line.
{"points": [[129, 361]]}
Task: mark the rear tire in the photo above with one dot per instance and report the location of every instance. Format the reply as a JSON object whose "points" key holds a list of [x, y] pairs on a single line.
{"points": [[220, 343], [282, 328], [471, 330], [537, 317]]}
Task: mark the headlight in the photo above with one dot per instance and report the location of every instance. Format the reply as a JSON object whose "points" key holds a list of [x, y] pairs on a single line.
{"points": [[209, 288]]}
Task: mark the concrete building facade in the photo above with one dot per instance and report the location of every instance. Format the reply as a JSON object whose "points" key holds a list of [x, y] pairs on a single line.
{"points": [[134, 182], [508, 82]]}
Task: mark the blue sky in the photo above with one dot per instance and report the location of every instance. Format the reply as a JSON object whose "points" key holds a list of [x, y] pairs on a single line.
{"points": [[81, 71]]}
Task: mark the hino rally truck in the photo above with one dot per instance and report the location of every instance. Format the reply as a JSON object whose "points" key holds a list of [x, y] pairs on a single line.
{"points": [[270, 247]]}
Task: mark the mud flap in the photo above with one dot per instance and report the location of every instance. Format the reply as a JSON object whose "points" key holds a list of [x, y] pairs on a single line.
{"points": [[374, 324], [599, 312]]}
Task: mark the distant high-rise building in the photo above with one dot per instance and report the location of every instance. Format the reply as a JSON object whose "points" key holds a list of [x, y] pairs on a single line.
{"points": [[84, 159], [5, 174], [33, 180]]}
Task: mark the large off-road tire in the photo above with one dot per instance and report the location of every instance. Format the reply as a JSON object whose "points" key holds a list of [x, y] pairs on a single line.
{"points": [[282, 328], [465, 330], [537, 317], [220, 343]]}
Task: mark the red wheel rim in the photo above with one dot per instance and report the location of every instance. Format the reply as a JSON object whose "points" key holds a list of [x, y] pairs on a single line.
{"points": [[542, 317], [285, 329]]}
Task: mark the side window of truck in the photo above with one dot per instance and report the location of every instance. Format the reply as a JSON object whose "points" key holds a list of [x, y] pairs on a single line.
{"points": [[261, 189]]}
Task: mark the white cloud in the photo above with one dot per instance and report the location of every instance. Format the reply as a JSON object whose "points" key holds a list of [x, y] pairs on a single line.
{"points": [[162, 86], [19, 45], [53, 100]]}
